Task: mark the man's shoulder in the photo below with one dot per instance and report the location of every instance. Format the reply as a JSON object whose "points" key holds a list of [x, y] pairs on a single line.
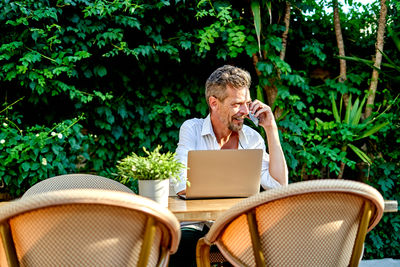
{"points": [[192, 126], [192, 122]]}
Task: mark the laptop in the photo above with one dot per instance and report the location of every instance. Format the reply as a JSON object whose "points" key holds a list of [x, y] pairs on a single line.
{"points": [[223, 173]]}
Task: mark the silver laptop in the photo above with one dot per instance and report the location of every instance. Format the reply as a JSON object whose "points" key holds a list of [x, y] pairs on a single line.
{"points": [[223, 173]]}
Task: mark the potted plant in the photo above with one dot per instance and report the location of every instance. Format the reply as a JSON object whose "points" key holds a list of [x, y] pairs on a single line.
{"points": [[152, 171]]}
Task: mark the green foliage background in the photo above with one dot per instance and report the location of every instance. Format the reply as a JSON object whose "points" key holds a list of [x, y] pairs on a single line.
{"points": [[114, 76]]}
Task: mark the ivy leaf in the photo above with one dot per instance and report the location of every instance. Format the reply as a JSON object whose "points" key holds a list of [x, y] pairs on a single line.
{"points": [[35, 166], [386, 184], [100, 71], [26, 166], [117, 132], [122, 111], [185, 44]]}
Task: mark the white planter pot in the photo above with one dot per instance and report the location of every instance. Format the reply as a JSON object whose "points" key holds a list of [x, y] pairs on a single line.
{"points": [[156, 190]]}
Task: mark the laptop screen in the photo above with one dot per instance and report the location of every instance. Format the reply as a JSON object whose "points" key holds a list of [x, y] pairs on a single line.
{"points": [[223, 173]]}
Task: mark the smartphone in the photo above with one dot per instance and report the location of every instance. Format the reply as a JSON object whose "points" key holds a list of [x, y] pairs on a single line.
{"points": [[253, 118]]}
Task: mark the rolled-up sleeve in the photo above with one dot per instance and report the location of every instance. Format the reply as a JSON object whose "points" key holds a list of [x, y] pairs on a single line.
{"points": [[187, 141], [267, 181]]}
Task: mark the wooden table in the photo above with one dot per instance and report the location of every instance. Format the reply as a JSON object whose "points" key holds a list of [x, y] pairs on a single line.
{"points": [[210, 209], [200, 209]]}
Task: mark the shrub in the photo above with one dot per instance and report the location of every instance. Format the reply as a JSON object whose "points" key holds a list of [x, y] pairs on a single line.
{"points": [[35, 153]]}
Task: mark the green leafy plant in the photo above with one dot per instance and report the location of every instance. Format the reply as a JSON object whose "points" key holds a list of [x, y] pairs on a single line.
{"points": [[31, 154], [154, 166], [350, 128]]}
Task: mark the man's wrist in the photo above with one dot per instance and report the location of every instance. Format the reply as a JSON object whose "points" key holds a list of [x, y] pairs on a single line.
{"points": [[271, 128]]}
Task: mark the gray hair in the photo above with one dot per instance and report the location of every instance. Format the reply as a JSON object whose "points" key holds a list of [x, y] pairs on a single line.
{"points": [[226, 75]]}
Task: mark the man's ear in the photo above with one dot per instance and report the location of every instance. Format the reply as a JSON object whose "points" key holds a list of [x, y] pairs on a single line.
{"points": [[213, 102]]}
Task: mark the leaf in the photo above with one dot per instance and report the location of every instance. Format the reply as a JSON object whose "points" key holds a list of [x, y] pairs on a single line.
{"points": [[35, 166], [25, 166], [373, 130], [334, 109], [265, 67], [360, 154], [354, 110], [341, 105], [319, 121], [117, 132], [269, 6], [299, 105], [348, 109], [101, 71], [185, 44], [122, 111], [357, 116], [386, 184], [255, 8]]}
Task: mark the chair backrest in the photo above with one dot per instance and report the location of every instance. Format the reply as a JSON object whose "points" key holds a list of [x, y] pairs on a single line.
{"points": [[75, 181], [86, 227], [312, 223]]}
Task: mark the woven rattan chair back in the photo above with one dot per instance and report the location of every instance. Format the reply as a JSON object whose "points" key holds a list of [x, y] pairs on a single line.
{"points": [[75, 181], [86, 227], [313, 223]]}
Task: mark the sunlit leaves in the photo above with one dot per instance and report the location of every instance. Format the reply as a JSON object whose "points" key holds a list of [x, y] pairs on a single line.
{"points": [[32, 154]]}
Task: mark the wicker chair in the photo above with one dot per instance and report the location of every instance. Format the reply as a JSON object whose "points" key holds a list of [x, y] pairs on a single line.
{"points": [[85, 227], [312, 223], [75, 181]]}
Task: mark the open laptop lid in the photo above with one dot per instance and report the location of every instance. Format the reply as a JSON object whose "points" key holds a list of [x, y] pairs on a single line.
{"points": [[223, 173]]}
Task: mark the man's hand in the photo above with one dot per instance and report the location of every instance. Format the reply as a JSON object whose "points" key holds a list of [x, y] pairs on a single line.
{"points": [[183, 192], [264, 114]]}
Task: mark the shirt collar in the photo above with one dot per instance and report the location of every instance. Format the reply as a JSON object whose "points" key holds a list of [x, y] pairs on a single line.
{"points": [[207, 126], [208, 129]]}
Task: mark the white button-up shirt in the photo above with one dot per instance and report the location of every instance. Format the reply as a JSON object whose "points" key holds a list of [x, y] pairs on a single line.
{"points": [[198, 134]]}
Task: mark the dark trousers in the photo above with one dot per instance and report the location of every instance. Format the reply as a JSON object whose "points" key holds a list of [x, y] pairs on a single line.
{"points": [[186, 254]]}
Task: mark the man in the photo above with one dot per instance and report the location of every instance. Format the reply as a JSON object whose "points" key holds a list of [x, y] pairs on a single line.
{"points": [[228, 98]]}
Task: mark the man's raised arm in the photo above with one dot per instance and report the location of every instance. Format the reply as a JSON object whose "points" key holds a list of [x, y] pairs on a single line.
{"points": [[277, 163]]}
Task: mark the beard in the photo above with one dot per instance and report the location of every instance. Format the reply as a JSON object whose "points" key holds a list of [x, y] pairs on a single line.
{"points": [[235, 127]]}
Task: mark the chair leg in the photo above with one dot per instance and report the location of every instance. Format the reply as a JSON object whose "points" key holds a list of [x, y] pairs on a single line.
{"points": [[164, 252], [255, 239], [8, 245], [202, 253], [148, 238], [362, 232]]}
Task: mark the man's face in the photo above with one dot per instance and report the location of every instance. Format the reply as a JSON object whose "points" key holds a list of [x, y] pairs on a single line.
{"points": [[233, 109]]}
